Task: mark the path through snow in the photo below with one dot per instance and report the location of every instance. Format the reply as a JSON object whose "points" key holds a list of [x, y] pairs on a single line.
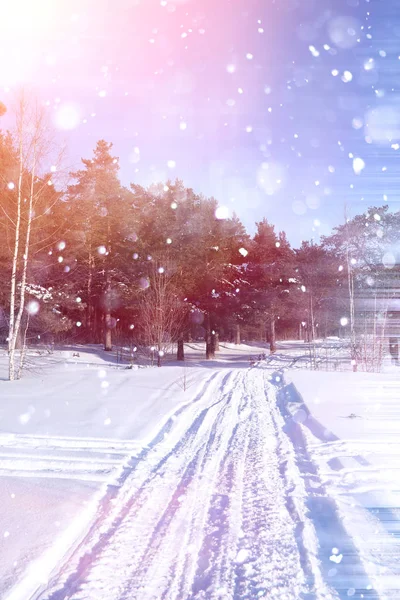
{"points": [[211, 511]]}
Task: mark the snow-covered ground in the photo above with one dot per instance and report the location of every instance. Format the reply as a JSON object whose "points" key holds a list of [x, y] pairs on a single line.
{"points": [[67, 430], [219, 479], [350, 424]]}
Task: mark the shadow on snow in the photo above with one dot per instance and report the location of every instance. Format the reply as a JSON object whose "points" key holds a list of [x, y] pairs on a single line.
{"points": [[347, 577]]}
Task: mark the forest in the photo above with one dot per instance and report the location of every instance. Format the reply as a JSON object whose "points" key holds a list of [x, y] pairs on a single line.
{"points": [[85, 259]]}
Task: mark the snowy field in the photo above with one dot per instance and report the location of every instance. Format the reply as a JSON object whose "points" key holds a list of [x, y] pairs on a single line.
{"points": [[233, 478], [350, 431]]}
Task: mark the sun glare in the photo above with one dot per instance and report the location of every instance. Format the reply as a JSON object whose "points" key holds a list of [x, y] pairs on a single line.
{"points": [[25, 25]]}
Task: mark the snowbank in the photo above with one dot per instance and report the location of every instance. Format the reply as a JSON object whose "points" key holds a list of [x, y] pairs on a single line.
{"points": [[351, 424]]}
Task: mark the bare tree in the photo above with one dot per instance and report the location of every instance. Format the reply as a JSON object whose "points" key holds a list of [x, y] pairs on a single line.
{"points": [[33, 146], [20, 122], [350, 285], [162, 312]]}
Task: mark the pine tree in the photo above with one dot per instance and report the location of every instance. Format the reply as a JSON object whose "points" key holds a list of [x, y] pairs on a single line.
{"points": [[271, 277], [98, 206]]}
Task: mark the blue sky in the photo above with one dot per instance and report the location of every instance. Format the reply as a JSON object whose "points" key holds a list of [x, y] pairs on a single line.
{"points": [[285, 109]]}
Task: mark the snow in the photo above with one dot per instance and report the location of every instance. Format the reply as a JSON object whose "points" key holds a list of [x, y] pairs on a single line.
{"points": [[35, 513], [352, 430], [73, 401], [63, 435], [206, 511], [230, 478]]}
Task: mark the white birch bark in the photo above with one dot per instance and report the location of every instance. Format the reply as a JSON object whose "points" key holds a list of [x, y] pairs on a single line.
{"points": [[20, 129]]}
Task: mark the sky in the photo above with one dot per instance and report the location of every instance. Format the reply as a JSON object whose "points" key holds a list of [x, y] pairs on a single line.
{"points": [[285, 109]]}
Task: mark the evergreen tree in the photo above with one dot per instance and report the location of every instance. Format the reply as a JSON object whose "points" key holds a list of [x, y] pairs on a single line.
{"points": [[99, 210], [271, 275]]}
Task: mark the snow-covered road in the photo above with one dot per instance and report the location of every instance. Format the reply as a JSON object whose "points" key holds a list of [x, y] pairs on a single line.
{"points": [[201, 491], [212, 509]]}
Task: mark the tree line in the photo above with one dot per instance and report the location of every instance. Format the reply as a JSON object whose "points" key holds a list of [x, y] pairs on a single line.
{"points": [[90, 260]]}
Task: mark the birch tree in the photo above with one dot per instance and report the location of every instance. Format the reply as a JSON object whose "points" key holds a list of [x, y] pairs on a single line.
{"points": [[33, 142]]}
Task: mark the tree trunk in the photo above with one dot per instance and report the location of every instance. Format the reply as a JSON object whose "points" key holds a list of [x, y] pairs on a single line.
{"points": [[237, 334], [208, 338], [19, 344], [107, 337], [16, 331], [89, 322], [208, 345], [13, 292], [181, 350], [212, 345], [272, 337], [96, 327], [107, 316], [350, 283], [107, 331], [312, 319], [11, 364], [22, 340], [17, 229], [216, 342], [107, 323]]}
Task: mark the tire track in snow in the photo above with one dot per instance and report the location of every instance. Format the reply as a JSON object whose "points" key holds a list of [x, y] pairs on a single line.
{"points": [[66, 443], [23, 455], [207, 518], [184, 519], [245, 560], [109, 513], [146, 526], [72, 549], [268, 562], [202, 497], [215, 573]]}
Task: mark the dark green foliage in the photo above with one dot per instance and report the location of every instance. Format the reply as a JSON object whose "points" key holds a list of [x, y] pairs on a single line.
{"points": [[99, 251]]}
